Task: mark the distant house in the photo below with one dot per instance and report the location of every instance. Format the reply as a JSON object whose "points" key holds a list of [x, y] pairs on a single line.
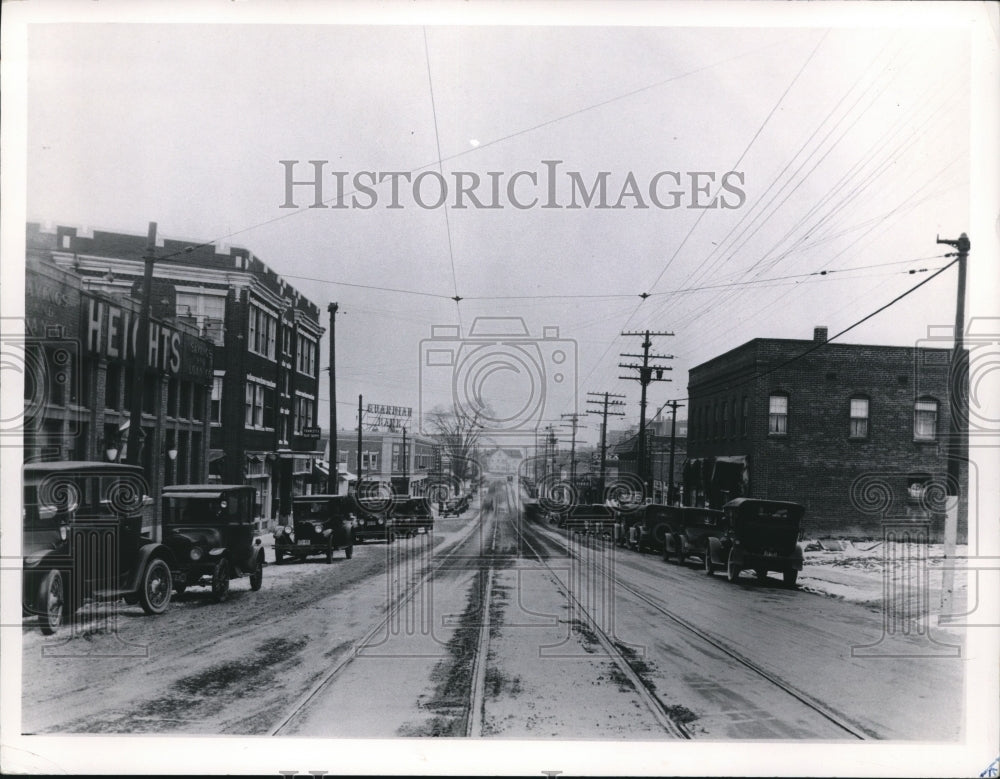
{"points": [[854, 432], [503, 461]]}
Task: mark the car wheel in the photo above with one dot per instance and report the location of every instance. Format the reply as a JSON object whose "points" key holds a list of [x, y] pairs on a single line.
{"points": [[349, 552], [390, 538], [732, 569], [155, 587], [666, 552], [220, 580], [329, 551], [709, 565], [51, 603], [790, 577], [680, 551], [761, 574], [257, 577]]}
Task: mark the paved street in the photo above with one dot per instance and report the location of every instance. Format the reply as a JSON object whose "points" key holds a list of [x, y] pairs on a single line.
{"points": [[576, 638]]}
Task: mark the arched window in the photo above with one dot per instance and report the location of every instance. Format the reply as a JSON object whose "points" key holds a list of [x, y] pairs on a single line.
{"points": [[925, 414], [777, 419]]}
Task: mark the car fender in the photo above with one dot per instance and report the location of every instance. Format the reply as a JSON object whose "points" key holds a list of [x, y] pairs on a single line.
{"points": [[713, 548], [145, 554]]}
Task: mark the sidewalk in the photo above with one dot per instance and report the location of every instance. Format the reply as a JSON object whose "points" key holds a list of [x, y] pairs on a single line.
{"points": [[872, 573]]}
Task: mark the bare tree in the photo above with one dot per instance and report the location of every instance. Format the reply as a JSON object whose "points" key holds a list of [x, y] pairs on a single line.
{"points": [[459, 435]]}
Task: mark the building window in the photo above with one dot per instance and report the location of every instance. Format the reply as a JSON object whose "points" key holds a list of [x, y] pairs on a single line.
{"points": [[859, 417], [925, 419], [777, 422], [216, 413], [261, 331], [746, 416], [208, 311], [248, 416], [304, 408], [306, 356], [725, 419]]}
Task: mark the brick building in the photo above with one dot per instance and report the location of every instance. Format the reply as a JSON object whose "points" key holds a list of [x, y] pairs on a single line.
{"points": [[382, 459], [265, 340], [79, 358], [857, 433]]}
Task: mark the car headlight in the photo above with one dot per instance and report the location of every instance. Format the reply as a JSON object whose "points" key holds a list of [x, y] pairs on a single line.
{"points": [[196, 553], [380, 522]]}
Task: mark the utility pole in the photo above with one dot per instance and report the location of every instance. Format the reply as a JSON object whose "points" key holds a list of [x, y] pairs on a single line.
{"points": [[674, 405], [574, 419], [604, 427], [334, 484], [646, 373], [357, 482], [140, 360], [958, 428]]}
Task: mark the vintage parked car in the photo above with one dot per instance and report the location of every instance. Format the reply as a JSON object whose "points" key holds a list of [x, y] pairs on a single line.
{"points": [[209, 528], [322, 524], [653, 527], [74, 513], [590, 518], [690, 527], [371, 524], [412, 515], [758, 534], [456, 506]]}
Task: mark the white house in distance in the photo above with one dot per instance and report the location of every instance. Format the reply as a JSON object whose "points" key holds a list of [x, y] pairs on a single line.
{"points": [[503, 461]]}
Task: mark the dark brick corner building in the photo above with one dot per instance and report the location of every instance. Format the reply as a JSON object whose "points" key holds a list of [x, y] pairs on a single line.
{"points": [[857, 433], [264, 335]]}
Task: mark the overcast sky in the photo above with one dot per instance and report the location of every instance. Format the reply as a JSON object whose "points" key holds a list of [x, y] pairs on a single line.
{"points": [[851, 145]]}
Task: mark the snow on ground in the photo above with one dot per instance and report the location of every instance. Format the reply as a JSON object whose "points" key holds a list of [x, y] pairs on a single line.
{"points": [[878, 573]]}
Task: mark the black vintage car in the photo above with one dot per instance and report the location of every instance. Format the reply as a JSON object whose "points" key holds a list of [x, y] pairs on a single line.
{"points": [[371, 524], [322, 525], [209, 528], [457, 506], [82, 539], [653, 527], [689, 528], [589, 518], [757, 534], [412, 515]]}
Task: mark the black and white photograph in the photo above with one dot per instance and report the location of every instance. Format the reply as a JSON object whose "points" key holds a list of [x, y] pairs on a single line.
{"points": [[500, 388]]}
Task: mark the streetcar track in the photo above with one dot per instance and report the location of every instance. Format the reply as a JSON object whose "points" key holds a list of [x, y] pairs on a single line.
{"points": [[326, 679], [652, 701], [802, 697]]}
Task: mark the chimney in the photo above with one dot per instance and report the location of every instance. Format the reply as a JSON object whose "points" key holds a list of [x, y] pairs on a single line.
{"points": [[819, 335]]}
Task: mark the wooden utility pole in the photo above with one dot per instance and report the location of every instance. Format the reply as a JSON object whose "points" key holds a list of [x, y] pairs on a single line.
{"points": [[646, 373], [334, 476], [574, 419], [605, 413], [357, 481], [958, 428], [140, 359], [674, 405]]}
